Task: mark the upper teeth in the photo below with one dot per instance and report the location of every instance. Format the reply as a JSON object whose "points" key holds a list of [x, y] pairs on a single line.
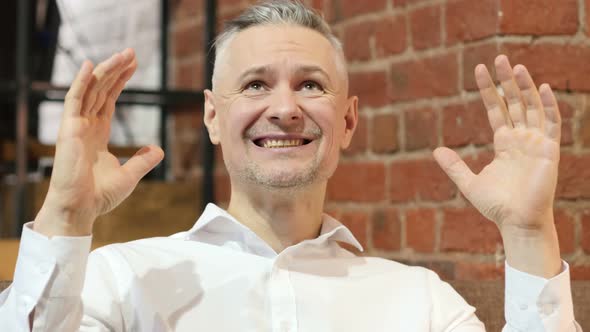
{"points": [[281, 143]]}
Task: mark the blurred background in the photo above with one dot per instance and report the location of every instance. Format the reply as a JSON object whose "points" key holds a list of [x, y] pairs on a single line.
{"points": [[411, 63]]}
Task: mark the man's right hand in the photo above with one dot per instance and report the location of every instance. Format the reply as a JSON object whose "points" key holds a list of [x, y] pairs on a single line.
{"points": [[88, 181]]}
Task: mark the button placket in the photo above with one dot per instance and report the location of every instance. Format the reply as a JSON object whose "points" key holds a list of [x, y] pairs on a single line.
{"points": [[283, 304], [25, 302]]}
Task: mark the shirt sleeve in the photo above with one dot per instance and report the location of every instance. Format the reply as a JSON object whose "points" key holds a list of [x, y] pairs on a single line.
{"points": [[48, 280], [537, 304], [449, 311]]}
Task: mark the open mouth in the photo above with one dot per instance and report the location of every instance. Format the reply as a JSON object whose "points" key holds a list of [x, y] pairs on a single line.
{"points": [[275, 143]]}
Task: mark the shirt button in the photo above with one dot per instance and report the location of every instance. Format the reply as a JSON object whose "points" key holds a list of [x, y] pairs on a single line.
{"points": [[285, 327], [44, 268], [25, 301], [523, 306], [546, 309]]}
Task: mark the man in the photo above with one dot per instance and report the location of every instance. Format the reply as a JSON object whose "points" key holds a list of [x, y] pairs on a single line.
{"points": [[280, 110]]}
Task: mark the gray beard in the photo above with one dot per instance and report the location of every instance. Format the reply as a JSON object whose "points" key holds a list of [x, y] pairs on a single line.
{"points": [[252, 173]]}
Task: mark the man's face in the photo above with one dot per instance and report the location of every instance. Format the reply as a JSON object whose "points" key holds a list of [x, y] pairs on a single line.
{"points": [[280, 108]]}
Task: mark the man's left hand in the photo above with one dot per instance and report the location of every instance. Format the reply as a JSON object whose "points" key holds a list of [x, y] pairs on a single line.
{"points": [[516, 190]]}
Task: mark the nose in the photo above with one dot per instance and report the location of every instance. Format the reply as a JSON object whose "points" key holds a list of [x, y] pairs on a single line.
{"points": [[284, 110]]}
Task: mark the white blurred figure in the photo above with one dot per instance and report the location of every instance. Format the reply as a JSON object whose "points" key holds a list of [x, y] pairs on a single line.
{"points": [[94, 29]]}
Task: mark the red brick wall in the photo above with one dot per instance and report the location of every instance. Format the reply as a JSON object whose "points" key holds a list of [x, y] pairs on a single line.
{"points": [[411, 63]]}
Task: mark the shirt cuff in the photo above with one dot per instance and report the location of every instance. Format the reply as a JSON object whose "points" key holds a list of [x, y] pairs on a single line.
{"points": [[54, 265], [534, 303]]}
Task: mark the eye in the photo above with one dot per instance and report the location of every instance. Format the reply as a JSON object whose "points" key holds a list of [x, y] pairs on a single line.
{"points": [[311, 86], [254, 86]]}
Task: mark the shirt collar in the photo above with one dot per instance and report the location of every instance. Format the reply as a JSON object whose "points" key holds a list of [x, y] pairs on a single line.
{"points": [[216, 220]]}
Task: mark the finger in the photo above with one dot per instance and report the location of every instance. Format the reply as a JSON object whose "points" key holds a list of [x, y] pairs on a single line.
{"points": [[497, 113], [128, 59], [535, 116], [455, 167], [552, 115], [115, 92], [516, 109], [103, 69], [128, 56], [73, 100], [121, 81], [91, 92], [143, 161], [110, 78]]}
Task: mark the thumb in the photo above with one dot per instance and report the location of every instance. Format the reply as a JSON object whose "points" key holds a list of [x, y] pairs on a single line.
{"points": [[454, 166], [144, 161]]}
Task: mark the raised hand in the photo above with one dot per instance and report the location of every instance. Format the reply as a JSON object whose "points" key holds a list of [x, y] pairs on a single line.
{"points": [[87, 179], [516, 190]]}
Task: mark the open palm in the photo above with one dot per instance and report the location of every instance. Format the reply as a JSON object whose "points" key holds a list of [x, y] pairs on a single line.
{"points": [[86, 177], [517, 188]]}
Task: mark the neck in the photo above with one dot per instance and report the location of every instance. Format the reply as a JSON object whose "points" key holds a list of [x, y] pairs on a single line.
{"points": [[281, 217]]}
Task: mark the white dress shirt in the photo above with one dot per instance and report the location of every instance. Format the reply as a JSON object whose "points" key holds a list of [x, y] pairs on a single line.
{"points": [[220, 276]]}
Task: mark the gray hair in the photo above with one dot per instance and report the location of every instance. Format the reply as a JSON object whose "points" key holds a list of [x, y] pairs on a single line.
{"points": [[271, 12]]}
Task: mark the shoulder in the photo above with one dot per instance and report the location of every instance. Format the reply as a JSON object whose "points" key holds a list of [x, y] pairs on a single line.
{"points": [[421, 280], [131, 246], [397, 271], [149, 250]]}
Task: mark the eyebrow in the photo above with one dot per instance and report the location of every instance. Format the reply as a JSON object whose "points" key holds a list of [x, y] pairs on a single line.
{"points": [[257, 70], [311, 69], [305, 69]]}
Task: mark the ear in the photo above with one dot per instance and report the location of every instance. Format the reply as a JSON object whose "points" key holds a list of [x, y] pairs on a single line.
{"points": [[351, 118], [210, 117]]}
